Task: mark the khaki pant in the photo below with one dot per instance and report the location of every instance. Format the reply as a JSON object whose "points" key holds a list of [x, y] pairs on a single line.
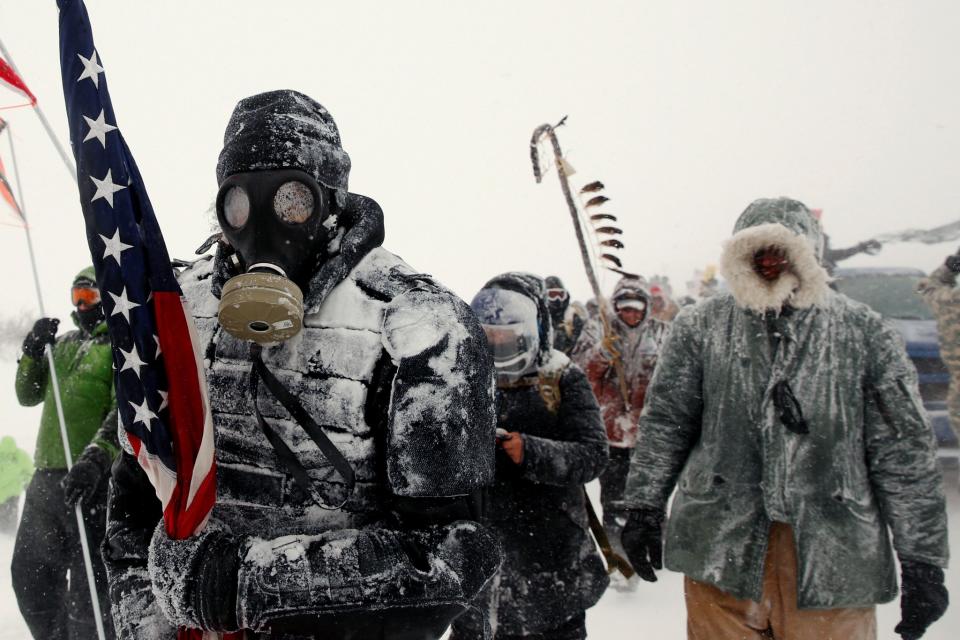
{"points": [[713, 614]]}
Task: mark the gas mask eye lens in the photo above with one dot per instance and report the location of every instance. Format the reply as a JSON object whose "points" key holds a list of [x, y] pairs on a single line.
{"points": [[293, 202], [236, 207]]}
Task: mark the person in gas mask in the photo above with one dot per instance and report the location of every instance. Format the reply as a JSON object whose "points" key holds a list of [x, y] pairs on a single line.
{"points": [[567, 322], [550, 442], [352, 402], [788, 418], [48, 541], [631, 346]]}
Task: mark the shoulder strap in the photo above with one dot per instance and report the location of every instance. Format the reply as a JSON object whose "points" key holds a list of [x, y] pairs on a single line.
{"points": [[258, 373]]}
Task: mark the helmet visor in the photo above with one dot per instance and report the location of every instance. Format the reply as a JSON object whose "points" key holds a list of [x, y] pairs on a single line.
{"points": [[513, 345]]}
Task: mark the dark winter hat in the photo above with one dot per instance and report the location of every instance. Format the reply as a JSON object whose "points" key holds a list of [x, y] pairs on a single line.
{"points": [[86, 278], [553, 282], [284, 130]]}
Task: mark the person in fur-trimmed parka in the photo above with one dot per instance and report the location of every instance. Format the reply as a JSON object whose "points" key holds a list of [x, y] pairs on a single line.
{"points": [[788, 418], [550, 442]]}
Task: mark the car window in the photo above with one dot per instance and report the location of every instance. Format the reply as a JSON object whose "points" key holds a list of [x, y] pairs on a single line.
{"points": [[890, 296]]}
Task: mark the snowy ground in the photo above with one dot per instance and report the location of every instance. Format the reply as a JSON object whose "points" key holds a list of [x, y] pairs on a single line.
{"points": [[651, 611], [657, 611]]}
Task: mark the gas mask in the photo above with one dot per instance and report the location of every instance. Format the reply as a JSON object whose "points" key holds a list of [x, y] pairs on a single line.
{"points": [[278, 223], [509, 320]]}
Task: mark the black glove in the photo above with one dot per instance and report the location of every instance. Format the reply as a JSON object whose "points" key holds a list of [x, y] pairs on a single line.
{"points": [[871, 247], [642, 539], [195, 580], [85, 475], [953, 263], [44, 332], [923, 599]]}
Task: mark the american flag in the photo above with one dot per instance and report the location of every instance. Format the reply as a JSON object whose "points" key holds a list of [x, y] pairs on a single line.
{"points": [[161, 390]]}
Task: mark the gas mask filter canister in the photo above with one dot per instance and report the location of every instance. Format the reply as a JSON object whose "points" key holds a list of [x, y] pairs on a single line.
{"points": [[261, 306]]}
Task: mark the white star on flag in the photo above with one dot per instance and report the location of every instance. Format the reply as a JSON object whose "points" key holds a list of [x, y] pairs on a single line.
{"points": [[114, 247], [106, 188], [122, 305], [157, 340], [98, 129], [163, 399], [143, 413], [131, 360], [91, 68]]}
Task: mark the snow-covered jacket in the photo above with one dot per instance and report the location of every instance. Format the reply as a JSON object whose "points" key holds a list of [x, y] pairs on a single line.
{"points": [[551, 568], [638, 347], [395, 370], [733, 393]]}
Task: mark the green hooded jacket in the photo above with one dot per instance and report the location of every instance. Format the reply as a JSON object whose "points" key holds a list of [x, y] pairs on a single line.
{"points": [[711, 428], [84, 365], [16, 469]]}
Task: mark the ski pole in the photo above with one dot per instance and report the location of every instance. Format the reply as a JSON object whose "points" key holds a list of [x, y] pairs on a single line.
{"points": [[46, 124], [48, 351]]}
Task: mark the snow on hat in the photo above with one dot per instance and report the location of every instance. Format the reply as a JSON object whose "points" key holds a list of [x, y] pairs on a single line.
{"points": [[284, 130]]}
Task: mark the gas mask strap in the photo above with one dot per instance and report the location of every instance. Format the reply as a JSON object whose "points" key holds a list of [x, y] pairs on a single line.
{"points": [[258, 373]]}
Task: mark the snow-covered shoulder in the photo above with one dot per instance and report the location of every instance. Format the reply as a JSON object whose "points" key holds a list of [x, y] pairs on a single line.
{"points": [[195, 283], [555, 362], [441, 415]]}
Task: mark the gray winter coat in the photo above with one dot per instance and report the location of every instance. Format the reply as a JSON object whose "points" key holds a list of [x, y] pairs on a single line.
{"points": [[711, 427]]}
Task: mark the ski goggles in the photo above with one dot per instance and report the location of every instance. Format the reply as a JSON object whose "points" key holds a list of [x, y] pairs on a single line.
{"points": [[87, 296], [557, 295]]}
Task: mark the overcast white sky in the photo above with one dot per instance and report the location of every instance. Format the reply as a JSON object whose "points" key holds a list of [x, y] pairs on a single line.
{"points": [[686, 110]]}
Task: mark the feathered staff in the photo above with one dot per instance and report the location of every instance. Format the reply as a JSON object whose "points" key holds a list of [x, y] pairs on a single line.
{"points": [[602, 229], [602, 232]]}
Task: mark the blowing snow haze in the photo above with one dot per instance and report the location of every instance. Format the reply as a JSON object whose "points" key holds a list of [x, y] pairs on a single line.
{"points": [[686, 113]]}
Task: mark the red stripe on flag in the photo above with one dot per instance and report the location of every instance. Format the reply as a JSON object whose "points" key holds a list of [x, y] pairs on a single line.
{"points": [[8, 75], [187, 418]]}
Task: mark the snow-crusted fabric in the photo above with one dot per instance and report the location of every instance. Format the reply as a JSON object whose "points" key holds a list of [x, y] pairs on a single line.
{"points": [[195, 580], [284, 130], [394, 369], [551, 569], [363, 569], [711, 427], [787, 225]]}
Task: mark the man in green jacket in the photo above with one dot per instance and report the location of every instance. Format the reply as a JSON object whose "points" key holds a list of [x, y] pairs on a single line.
{"points": [[15, 471], [48, 544], [789, 420]]}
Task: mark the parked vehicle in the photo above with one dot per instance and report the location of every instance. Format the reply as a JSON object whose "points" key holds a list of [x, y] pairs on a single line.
{"points": [[892, 292]]}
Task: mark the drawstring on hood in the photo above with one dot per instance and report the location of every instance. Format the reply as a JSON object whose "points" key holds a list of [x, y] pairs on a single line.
{"points": [[786, 225]]}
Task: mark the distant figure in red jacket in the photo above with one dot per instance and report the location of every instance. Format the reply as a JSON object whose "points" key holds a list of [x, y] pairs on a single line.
{"points": [[635, 340]]}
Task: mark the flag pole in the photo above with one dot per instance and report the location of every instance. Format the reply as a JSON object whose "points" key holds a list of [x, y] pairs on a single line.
{"points": [[43, 120], [48, 351]]}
